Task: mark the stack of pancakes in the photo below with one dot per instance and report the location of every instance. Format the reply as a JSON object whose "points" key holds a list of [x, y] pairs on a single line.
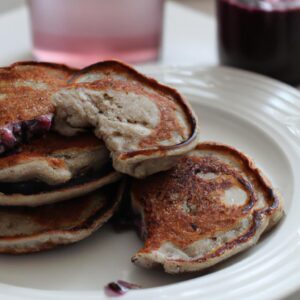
{"points": [[66, 136], [59, 129], [54, 190]]}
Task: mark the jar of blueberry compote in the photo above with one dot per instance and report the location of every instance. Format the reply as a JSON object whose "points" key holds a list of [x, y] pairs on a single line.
{"points": [[261, 36]]}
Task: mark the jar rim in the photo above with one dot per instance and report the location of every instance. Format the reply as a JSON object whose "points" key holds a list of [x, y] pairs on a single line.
{"points": [[266, 5]]}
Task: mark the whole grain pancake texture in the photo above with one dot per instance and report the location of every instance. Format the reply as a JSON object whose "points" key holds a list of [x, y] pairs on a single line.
{"points": [[145, 125], [213, 204]]}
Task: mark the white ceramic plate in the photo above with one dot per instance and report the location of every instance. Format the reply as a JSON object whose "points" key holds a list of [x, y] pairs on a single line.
{"points": [[259, 116]]}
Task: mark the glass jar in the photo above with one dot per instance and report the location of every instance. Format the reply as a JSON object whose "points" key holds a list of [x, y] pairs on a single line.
{"points": [[261, 36]]}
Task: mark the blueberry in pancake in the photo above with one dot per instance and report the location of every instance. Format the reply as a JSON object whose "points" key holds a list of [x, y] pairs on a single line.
{"points": [[26, 110]]}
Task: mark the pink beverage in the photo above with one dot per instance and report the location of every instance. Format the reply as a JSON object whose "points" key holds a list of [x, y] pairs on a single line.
{"points": [[81, 32]]}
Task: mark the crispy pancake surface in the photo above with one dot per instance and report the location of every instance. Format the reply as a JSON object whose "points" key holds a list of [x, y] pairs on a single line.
{"points": [[54, 159], [25, 230], [25, 88], [26, 110], [144, 124], [213, 204]]}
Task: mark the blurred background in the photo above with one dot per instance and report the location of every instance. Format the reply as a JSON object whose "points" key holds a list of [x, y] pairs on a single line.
{"points": [[257, 35], [187, 33]]}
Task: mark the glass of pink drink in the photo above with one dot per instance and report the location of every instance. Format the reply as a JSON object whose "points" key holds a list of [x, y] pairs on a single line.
{"points": [[81, 32]]}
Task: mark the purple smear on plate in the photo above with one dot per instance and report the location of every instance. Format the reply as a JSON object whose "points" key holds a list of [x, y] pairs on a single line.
{"points": [[119, 288]]}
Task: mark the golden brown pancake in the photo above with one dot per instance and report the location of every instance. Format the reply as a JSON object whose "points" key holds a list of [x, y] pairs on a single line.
{"points": [[25, 230], [25, 89], [26, 110], [54, 159], [145, 125], [55, 168], [213, 204]]}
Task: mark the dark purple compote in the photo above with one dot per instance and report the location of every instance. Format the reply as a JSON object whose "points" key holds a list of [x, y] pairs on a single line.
{"points": [[14, 134], [261, 36], [119, 288]]}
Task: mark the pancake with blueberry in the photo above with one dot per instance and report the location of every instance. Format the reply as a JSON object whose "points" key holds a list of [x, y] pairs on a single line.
{"points": [[54, 168], [212, 205], [26, 110]]}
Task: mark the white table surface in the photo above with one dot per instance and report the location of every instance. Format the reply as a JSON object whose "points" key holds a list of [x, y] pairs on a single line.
{"points": [[189, 37]]}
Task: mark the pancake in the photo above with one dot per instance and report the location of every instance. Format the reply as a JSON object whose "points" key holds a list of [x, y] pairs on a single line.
{"points": [[35, 193], [213, 204], [54, 159], [145, 125], [26, 110], [25, 230]]}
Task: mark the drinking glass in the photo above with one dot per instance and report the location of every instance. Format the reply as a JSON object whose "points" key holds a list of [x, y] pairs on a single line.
{"points": [[81, 32]]}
